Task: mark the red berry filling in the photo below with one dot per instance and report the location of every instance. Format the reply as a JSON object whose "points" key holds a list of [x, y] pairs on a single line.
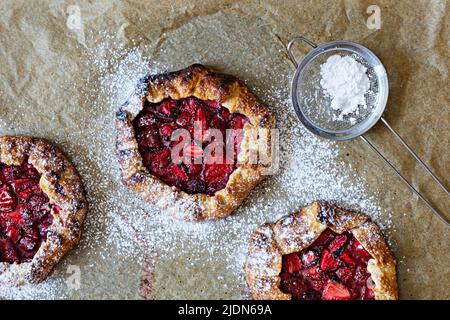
{"points": [[155, 125], [334, 267], [25, 216]]}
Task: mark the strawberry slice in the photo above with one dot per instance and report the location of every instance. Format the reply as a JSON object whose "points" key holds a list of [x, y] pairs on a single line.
{"points": [[184, 119], [45, 224], [193, 168], [214, 173], [309, 257], [149, 138], [199, 124], [347, 258], [25, 187], [166, 131], [167, 107], [358, 251], [179, 172], [284, 275], [324, 238], [190, 104], [337, 245], [7, 251], [11, 172], [12, 233], [317, 284], [292, 263], [30, 172], [295, 285], [16, 216], [7, 199], [218, 123], [238, 121], [37, 202], [312, 273], [328, 262], [147, 158], [27, 243], [369, 294], [212, 104], [314, 277], [361, 274], [345, 274], [335, 291], [161, 160], [226, 114]]}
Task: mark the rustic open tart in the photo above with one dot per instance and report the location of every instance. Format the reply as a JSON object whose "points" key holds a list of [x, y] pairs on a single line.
{"points": [[195, 98], [320, 252], [42, 208]]}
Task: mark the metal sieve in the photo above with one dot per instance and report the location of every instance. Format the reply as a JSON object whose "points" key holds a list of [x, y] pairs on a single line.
{"points": [[311, 102]]}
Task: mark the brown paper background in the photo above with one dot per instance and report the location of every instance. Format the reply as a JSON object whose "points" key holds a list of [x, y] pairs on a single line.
{"points": [[44, 92]]}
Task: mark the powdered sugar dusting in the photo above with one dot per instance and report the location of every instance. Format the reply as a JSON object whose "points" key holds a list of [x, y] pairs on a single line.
{"points": [[121, 224], [29, 291], [308, 172]]}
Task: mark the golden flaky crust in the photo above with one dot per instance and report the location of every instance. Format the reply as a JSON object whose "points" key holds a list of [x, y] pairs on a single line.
{"points": [[298, 231], [62, 184], [205, 84]]}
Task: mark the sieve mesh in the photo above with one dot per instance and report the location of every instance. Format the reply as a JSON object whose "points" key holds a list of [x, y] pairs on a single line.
{"points": [[315, 102]]}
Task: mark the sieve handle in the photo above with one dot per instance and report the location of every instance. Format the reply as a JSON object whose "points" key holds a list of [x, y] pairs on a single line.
{"points": [[293, 40], [403, 178], [411, 151]]}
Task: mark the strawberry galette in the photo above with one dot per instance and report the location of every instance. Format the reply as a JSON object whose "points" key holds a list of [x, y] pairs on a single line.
{"points": [[187, 141], [321, 252], [42, 208]]}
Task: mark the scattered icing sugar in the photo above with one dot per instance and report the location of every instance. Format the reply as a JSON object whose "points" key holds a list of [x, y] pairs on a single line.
{"points": [[123, 228], [47, 290]]}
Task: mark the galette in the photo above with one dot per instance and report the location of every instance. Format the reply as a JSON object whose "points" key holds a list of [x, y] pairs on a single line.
{"points": [[194, 142], [42, 208], [321, 252]]}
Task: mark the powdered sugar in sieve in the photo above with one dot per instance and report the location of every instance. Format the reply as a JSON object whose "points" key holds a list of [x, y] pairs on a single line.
{"points": [[317, 103]]}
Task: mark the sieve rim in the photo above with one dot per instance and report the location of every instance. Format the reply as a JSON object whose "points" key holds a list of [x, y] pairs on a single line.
{"points": [[382, 96]]}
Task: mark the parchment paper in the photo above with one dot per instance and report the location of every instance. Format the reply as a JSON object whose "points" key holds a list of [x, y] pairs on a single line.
{"points": [[52, 85]]}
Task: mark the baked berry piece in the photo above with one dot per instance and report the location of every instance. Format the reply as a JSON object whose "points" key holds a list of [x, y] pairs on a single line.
{"points": [[155, 125], [42, 207], [321, 252], [191, 113], [334, 267]]}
